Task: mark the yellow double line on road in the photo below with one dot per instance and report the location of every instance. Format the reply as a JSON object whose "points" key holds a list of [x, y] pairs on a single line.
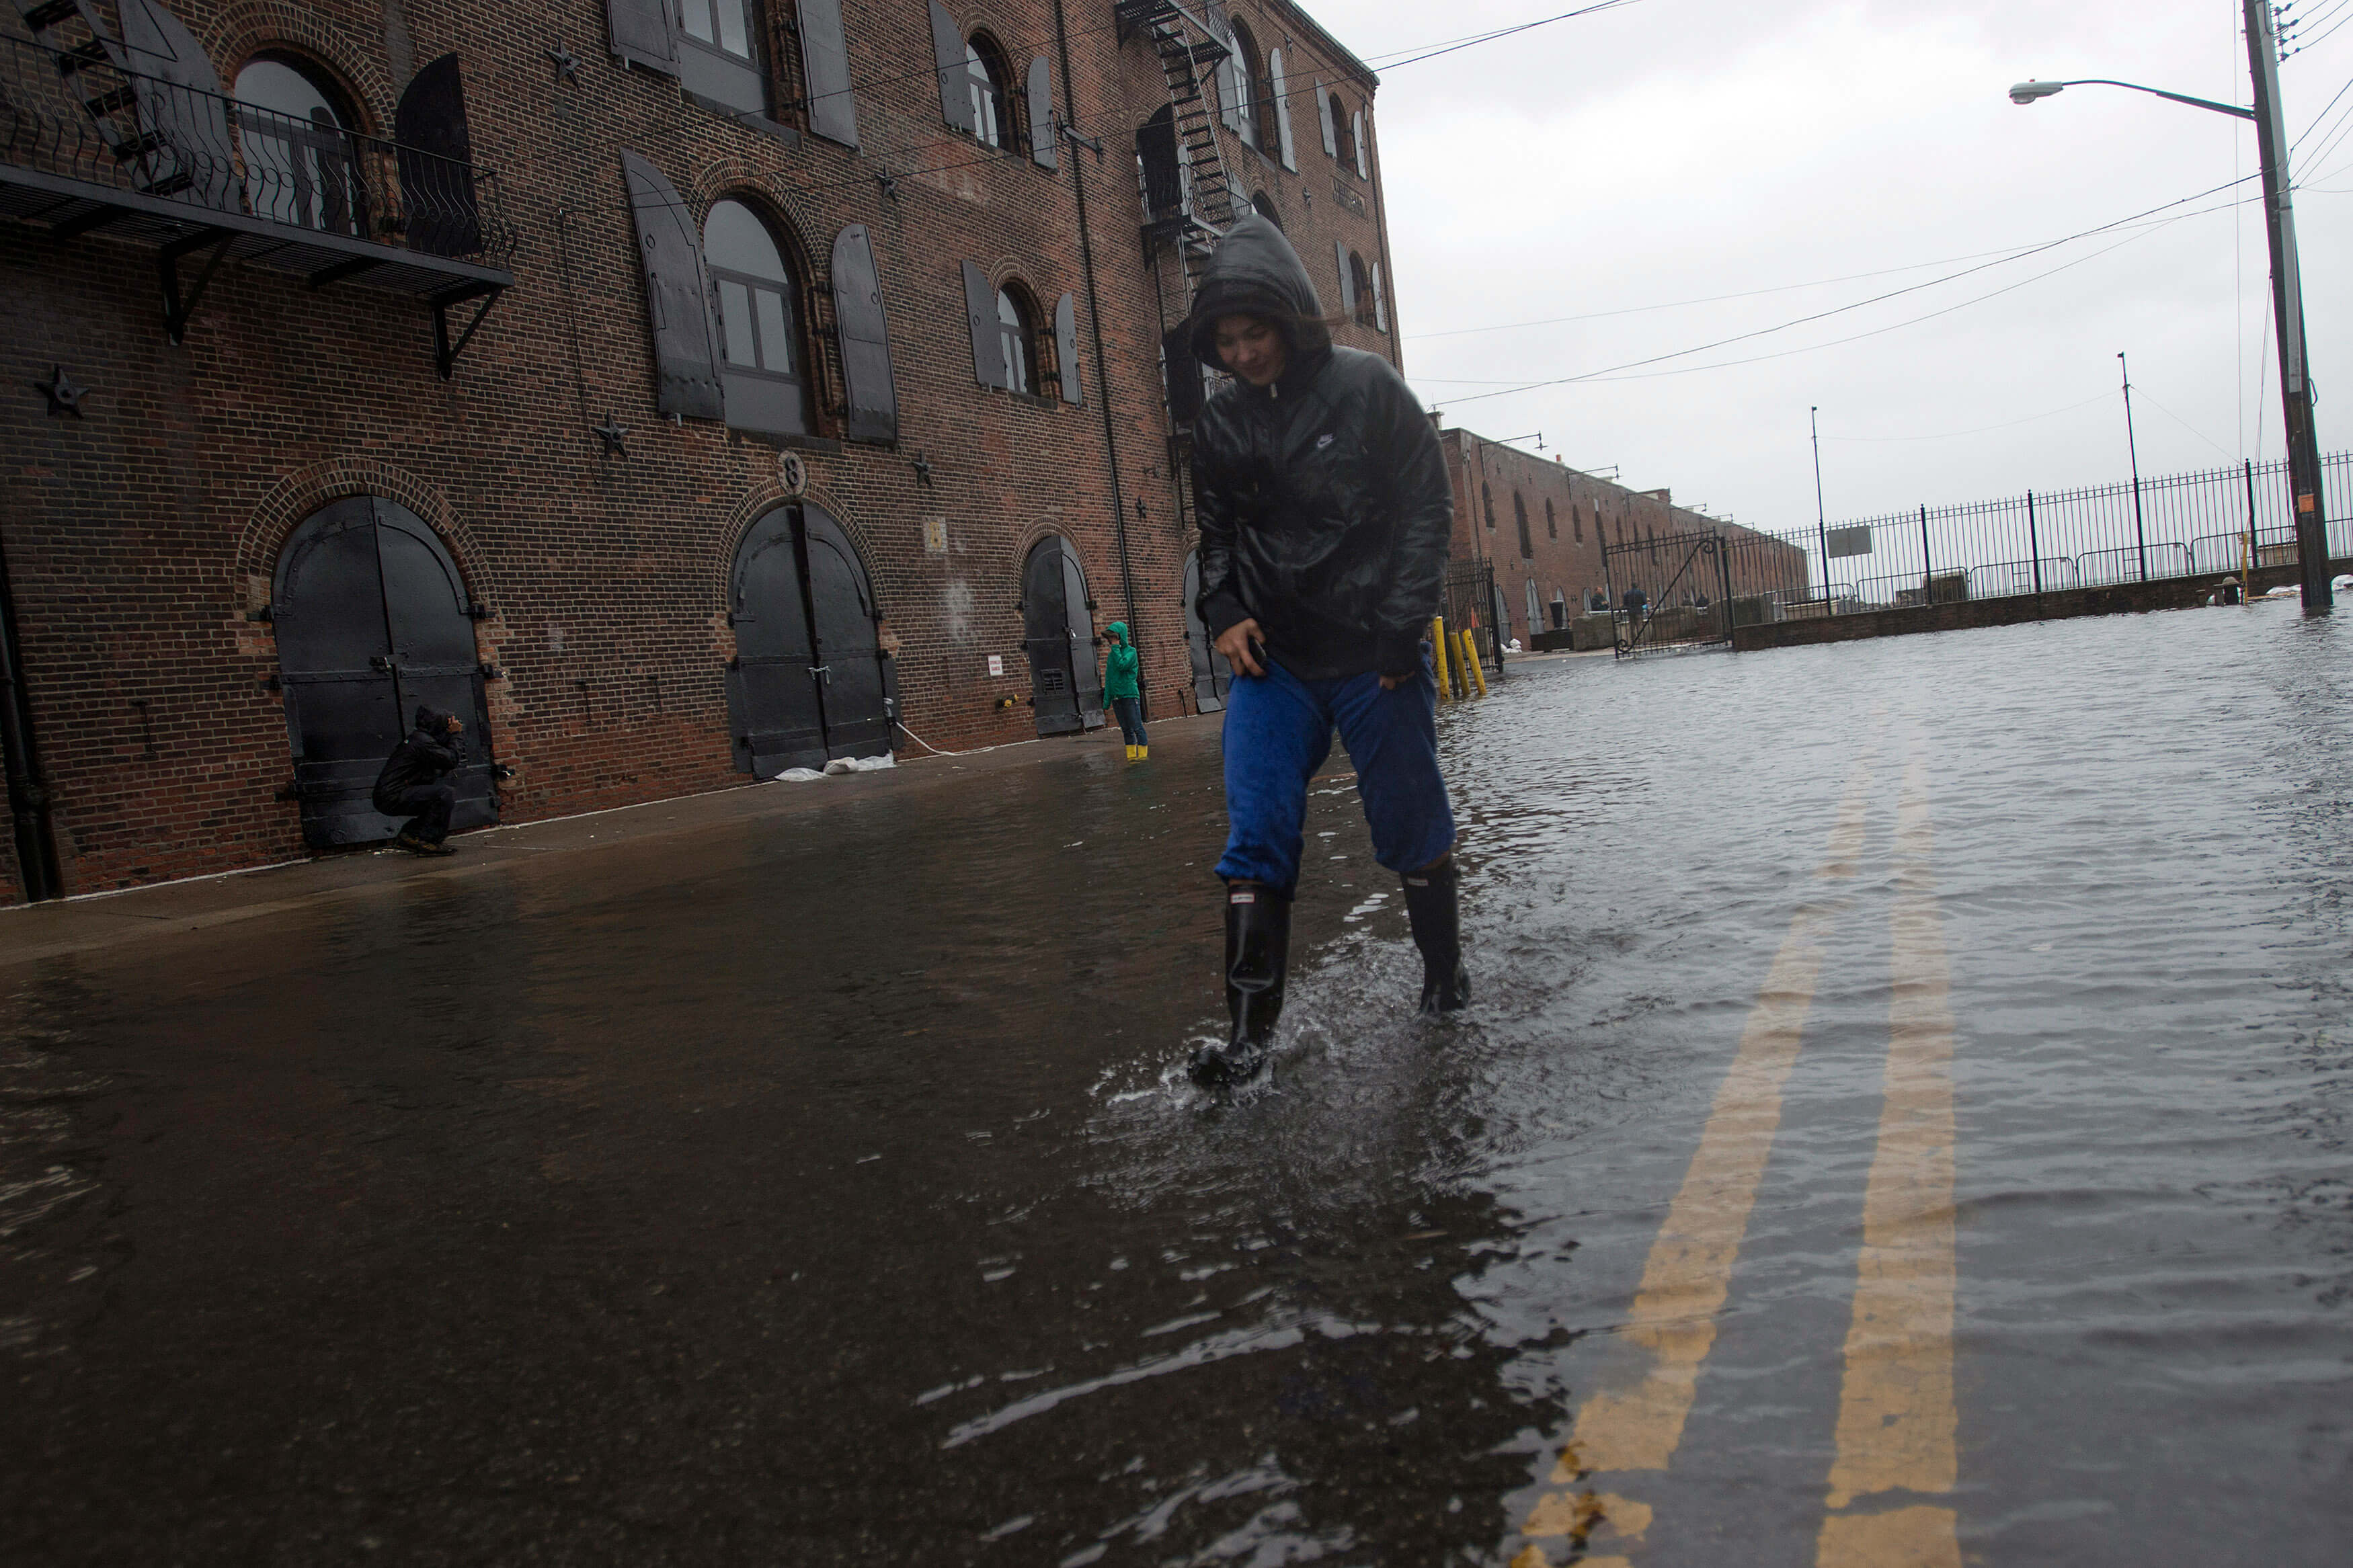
{"points": [[1896, 1420]]}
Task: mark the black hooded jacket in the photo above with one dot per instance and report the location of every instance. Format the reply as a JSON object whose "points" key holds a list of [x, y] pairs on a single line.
{"points": [[1325, 507], [429, 752]]}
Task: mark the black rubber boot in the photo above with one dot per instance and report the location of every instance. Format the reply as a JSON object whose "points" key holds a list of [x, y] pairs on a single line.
{"points": [[1429, 906], [1258, 951]]}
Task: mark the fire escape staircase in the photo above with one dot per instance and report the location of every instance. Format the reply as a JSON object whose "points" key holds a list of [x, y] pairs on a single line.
{"points": [[89, 141], [1192, 206]]}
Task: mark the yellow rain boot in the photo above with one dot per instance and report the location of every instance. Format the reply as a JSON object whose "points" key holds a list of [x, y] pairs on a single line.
{"points": [[1142, 752], [1130, 753]]}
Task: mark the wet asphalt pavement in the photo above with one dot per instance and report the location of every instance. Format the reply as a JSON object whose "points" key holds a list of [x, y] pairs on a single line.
{"points": [[1904, 1119]]}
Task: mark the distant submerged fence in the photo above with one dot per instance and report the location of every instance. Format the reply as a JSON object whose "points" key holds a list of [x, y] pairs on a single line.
{"points": [[2229, 519]]}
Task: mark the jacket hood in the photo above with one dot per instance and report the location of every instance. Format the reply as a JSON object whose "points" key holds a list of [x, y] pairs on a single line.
{"points": [[1256, 273], [1116, 631], [432, 721]]}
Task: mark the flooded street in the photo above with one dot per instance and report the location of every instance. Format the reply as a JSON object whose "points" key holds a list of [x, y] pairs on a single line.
{"points": [[1904, 1119]]}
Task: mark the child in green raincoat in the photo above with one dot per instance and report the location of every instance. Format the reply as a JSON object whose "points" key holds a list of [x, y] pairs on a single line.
{"points": [[1121, 689]]}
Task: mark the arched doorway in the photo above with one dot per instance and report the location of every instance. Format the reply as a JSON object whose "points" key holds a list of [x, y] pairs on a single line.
{"points": [[1212, 676], [1058, 628], [809, 681], [373, 622]]}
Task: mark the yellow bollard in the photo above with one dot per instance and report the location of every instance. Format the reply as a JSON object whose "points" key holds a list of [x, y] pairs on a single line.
{"points": [[1438, 646], [1471, 666]]}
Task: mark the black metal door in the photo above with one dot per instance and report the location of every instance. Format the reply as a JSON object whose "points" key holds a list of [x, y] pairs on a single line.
{"points": [[1211, 674], [372, 622], [849, 661], [1079, 625], [771, 687], [1046, 634]]}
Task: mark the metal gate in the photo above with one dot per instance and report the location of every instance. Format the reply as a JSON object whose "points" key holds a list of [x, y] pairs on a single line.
{"points": [[373, 621], [1212, 676], [1670, 592], [807, 681], [1473, 604], [1058, 630]]}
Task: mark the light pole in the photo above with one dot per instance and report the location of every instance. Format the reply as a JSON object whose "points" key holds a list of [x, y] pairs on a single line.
{"points": [[2287, 287], [2141, 534], [1822, 527]]}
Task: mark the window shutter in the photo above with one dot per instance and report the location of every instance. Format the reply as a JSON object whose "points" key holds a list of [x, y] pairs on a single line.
{"points": [[641, 35], [1044, 133], [1066, 347], [980, 305], [865, 339], [1380, 300], [1357, 133], [955, 85], [1282, 110], [1229, 70], [675, 295], [1347, 283], [1183, 373], [1324, 118], [825, 70], [444, 218]]}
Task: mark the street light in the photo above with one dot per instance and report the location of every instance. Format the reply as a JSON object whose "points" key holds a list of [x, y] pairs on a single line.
{"points": [[2287, 286]]}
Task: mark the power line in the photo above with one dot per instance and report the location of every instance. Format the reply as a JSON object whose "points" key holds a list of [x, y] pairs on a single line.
{"points": [[1983, 430], [2004, 251], [1612, 372]]}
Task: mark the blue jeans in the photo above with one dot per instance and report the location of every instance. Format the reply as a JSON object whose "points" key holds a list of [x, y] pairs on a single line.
{"points": [[1278, 733], [1129, 711]]}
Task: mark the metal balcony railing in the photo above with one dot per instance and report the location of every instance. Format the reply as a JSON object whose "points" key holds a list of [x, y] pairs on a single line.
{"points": [[89, 145]]}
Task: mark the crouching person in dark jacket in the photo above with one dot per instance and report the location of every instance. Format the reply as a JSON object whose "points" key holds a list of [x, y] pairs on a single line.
{"points": [[1324, 514], [415, 783]]}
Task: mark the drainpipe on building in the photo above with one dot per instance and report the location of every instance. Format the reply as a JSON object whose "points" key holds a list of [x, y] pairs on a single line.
{"points": [[1094, 326], [28, 798]]}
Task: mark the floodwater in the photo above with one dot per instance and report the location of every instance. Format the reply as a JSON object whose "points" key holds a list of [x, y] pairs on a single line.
{"points": [[1904, 1119]]}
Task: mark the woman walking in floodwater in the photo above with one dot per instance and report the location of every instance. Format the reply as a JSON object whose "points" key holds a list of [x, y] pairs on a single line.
{"points": [[1325, 519], [1122, 690]]}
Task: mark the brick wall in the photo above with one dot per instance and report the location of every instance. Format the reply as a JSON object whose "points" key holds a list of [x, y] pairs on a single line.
{"points": [[1570, 514], [143, 535]]}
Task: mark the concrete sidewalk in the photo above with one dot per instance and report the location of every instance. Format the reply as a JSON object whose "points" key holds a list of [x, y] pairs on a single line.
{"points": [[98, 922]]}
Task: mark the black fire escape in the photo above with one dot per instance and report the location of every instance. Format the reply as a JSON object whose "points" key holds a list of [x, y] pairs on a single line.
{"points": [[1188, 201], [100, 134]]}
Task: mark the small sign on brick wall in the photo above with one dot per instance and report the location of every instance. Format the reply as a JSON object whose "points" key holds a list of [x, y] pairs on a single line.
{"points": [[935, 535], [997, 664]]}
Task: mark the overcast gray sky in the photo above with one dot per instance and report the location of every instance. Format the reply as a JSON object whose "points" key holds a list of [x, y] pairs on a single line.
{"points": [[1676, 150]]}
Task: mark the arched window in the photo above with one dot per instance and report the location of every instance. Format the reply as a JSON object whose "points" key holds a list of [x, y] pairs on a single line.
{"points": [[992, 104], [1361, 281], [759, 309], [1343, 140], [1487, 504], [1552, 523], [1263, 204], [300, 166], [1527, 545], [1242, 84], [1017, 333]]}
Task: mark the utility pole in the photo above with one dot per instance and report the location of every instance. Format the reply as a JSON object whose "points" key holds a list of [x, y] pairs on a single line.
{"points": [[2287, 309], [2141, 534], [1821, 524]]}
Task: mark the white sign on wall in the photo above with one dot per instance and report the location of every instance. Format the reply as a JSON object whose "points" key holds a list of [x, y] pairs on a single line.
{"points": [[997, 664]]}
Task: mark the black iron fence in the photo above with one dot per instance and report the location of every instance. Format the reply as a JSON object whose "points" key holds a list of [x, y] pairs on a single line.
{"points": [[1473, 607], [2229, 519], [79, 114]]}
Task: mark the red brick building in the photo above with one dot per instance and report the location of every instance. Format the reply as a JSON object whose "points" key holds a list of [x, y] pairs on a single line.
{"points": [[673, 388], [1542, 526]]}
